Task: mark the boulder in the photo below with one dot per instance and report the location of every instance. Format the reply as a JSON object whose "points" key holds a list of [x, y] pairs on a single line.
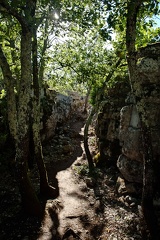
{"points": [[131, 170], [61, 107]]}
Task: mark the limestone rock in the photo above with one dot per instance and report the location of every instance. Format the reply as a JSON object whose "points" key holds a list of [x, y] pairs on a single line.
{"points": [[62, 107], [124, 187], [130, 133], [130, 169], [120, 185]]}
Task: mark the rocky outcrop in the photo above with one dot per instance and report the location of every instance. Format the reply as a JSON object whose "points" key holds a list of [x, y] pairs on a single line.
{"points": [[108, 121], [130, 133], [130, 162], [57, 108], [130, 169], [120, 121], [147, 93]]}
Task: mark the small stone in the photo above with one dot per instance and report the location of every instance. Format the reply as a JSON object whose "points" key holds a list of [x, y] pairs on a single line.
{"points": [[90, 182], [120, 185], [128, 199], [132, 204]]}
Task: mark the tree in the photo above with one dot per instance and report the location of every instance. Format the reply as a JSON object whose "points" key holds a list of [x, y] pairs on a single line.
{"points": [[84, 59], [80, 59], [28, 15], [27, 21], [29, 199]]}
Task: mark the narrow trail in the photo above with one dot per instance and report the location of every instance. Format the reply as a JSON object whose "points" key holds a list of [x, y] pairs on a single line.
{"points": [[75, 205], [86, 208], [70, 216]]}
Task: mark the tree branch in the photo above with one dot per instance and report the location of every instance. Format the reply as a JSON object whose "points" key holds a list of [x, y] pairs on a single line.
{"points": [[5, 8]]}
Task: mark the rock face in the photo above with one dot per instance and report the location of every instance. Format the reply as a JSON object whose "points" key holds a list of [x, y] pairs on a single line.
{"points": [[130, 162], [58, 108], [108, 121], [120, 120], [130, 169], [130, 133], [148, 92]]}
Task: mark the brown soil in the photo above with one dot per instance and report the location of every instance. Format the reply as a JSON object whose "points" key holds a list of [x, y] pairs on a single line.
{"points": [[87, 206]]}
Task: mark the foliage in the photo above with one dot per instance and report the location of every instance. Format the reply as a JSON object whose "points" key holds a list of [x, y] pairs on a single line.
{"points": [[76, 55], [81, 62], [146, 30], [78, 60], [2, 94], [84, 171]]}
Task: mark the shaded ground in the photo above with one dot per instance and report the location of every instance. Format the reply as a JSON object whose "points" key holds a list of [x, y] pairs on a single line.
{"points": [[87, 207]]}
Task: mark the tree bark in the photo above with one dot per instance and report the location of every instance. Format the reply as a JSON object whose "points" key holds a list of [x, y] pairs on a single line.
{"points": [[87, 151], [86, 101], [95, 109], [42, 60], [11, 100], [148, 182], [45, 189], [29, 199]]}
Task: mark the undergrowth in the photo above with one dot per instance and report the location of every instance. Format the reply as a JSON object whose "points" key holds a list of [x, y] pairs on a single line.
{"points": [[84, 171]]}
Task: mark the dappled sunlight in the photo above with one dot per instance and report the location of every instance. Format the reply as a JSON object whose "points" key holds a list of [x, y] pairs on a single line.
{"points": [[78, 195], [50, 221]]}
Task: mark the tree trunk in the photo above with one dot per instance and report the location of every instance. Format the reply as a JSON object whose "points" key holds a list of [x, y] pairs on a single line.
{"points": [[30, 202], [148, 182], [44, 48], [29, 199], [45, 189], [95, 109], [86, 101], [11, 100], [87, 151]]}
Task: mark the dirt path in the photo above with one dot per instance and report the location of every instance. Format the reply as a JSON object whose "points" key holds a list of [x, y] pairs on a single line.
{"points": [[87, 208], [72, 212]]}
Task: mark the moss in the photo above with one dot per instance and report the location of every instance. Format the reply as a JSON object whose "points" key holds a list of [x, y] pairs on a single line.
{"points": [[97, 158], [82, 170]]}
